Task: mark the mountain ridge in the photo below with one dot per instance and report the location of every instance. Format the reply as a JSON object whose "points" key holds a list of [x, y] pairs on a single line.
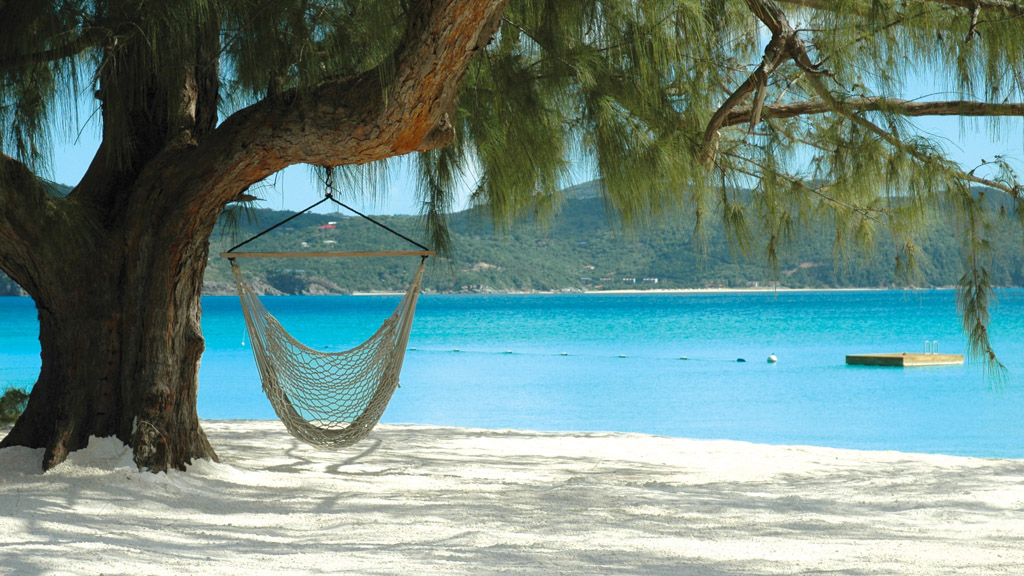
{"points": [[580, 248]]}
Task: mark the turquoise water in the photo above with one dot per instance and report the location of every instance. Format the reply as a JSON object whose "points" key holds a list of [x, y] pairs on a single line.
{"points": [[809, 397]]}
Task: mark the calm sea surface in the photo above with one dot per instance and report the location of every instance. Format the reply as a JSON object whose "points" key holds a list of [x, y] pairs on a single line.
{"points": [[614, 363]]}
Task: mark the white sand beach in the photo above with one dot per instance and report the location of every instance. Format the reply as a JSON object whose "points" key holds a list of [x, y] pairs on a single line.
{"points": [[417, 500]]}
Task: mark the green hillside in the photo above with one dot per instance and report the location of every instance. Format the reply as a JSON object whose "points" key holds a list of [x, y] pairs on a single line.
{"points": [[579, 249]]}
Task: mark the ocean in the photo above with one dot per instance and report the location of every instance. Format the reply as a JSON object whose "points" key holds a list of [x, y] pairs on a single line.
{"points": [[663, 364]]}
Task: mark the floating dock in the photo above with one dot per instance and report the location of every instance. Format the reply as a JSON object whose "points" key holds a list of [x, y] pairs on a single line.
{"points": [[905, 359]]}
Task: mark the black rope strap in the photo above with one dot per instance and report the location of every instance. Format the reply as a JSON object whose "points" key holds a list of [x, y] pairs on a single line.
{"points": [[330, 196], [381, 224], [281, 223]]}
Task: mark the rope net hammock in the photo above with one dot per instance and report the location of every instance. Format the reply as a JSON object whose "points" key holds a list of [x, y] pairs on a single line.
{"points": [[328, 399]]}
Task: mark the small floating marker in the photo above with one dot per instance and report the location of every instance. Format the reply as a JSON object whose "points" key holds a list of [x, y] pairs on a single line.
{"points": [[741, 360], [683, 358], [565, 353], [508, 351], [772, 359], [623, 356]]}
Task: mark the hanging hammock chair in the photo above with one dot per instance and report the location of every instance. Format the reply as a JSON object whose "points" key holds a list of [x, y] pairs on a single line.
{"points": [[327, 399]]}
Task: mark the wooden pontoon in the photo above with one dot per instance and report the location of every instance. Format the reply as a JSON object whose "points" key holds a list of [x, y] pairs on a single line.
{"points": [[905, 359]]}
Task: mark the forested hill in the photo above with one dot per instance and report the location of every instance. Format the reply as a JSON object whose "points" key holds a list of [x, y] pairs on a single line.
{"points": [[578, 249]]}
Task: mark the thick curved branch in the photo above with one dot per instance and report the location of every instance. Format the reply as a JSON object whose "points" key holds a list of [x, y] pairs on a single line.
{"points": [[355, 120], [892, 105], [24, 217]]}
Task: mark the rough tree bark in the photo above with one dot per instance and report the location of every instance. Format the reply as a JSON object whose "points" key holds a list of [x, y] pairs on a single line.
{"points": [[116, 267]]}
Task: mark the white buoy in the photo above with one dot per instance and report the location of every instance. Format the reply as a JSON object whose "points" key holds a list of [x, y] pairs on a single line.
{"points": [[772, 359]]}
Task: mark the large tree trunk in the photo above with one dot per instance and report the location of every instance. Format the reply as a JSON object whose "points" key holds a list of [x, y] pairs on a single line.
{"points": [[119, 329], [93, 383]]}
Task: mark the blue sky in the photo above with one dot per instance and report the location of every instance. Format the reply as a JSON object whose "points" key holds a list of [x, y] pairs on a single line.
{"points": [[294, 188]]}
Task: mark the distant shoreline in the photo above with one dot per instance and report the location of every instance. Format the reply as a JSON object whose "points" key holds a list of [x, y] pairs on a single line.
{"points": [[628, 291], [624, 291], [757, 290]]}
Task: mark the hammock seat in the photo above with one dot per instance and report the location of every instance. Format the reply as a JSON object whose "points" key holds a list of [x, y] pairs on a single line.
{"points": [[328, 399]]}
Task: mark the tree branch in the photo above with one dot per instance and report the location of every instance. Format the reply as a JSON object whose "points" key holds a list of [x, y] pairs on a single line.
{"points": [[973, 30], [799, 55], [88, 38], [982, 5], [840, 108], [355, 120], [893, 105], [757, 81], [776, 21], [25, 216], [783, 46]]}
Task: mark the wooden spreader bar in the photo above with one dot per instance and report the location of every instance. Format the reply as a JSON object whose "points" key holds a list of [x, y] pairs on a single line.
{"points": [[423, 253]]}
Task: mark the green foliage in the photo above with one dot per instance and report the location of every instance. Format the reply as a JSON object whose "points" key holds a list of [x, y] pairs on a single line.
{"points": [[12, 404], [132, 54], [281, 44]]}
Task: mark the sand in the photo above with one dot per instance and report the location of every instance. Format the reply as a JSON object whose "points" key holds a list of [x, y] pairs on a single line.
{"points": [[426, 500]]}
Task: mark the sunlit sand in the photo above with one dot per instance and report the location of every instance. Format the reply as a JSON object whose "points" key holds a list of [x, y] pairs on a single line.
{"points": [[416, 500]]}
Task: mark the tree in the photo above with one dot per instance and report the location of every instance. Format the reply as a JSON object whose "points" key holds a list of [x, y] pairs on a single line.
{"points": [[115, 268], [677, 104]]}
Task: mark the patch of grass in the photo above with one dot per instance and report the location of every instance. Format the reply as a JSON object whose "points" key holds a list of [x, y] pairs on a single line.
{"points": [[12, 404]]}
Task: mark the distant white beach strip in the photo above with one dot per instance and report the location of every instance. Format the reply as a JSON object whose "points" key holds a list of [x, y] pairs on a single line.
{"points": [[418, 499]]}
